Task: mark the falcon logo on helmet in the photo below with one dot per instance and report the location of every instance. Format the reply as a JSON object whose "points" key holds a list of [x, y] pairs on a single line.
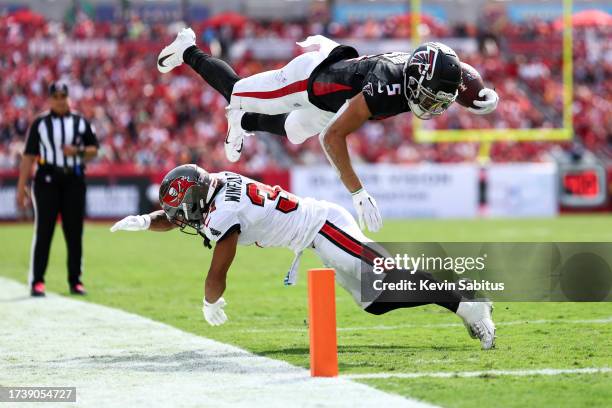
{"points": [[425, 61]]}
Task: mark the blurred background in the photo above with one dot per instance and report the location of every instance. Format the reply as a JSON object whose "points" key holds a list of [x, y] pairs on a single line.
{"points": [[148, 123]]}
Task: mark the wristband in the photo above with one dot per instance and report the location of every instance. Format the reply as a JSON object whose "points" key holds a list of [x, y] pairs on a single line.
{"points": [[357, 192], [147, 221], [207, 303]]}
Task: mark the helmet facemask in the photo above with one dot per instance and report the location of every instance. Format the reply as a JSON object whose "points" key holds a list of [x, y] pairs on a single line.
{"points": [[188, 217], [423, 102]]}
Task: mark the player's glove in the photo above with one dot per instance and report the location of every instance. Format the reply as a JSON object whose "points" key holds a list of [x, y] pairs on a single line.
{"points": [[367, 210], [489, 103], [213, 312], [133, 223]]}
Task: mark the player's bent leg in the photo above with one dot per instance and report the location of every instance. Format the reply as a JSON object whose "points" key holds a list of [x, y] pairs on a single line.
{"points": [[305, 123], [272, 93], [278, 91], [217, 73], [476, 315], [253, 122], [339, 244], [298, 126]]}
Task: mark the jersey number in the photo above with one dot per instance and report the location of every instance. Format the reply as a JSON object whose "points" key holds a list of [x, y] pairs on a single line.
{"points": [[258, 192], [394, 89]]}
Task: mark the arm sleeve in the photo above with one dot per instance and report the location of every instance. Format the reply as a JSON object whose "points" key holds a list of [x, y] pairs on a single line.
{"points": [[232, 229], [33, 140], [220, 224], [89, 137]]}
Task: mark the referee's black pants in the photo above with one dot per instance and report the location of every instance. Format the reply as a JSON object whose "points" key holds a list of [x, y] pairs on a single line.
{"points": [[55, 192]]}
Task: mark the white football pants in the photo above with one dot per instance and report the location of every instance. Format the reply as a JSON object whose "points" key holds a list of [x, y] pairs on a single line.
{"points": [[339, 244], [284, 90]]}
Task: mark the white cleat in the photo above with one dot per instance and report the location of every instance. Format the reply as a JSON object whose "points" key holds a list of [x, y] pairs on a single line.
{"points": [[234, 141], [172, 55], [478, 322]]}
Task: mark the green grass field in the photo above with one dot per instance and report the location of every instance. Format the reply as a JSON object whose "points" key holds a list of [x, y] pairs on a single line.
{"points": [[161, 276]]}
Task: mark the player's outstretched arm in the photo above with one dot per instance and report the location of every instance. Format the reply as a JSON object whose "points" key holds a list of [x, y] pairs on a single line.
{"points": [[155, 221], [223, 256], [349, 118]]}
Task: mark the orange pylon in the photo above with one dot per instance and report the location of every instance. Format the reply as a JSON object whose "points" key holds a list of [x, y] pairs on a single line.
{"points": [[322, 323]]}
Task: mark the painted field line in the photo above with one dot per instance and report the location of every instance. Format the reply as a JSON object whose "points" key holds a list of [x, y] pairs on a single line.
{"points": [[118, 359], [607, 320], [514, 373]]}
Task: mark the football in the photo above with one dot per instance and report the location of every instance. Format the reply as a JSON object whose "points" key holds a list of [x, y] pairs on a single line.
{"points": [[471, 84]]}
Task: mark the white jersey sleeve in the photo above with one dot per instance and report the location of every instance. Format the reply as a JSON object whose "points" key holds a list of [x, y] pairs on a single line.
{"points": [[220, 222], [265, 215]]}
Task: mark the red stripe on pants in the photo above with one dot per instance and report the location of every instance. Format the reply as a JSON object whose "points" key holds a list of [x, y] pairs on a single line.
{"points": [[346, 242], [295, 87]]}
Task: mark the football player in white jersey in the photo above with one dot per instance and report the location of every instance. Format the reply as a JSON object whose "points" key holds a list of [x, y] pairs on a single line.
{"points": [[230, 210]]}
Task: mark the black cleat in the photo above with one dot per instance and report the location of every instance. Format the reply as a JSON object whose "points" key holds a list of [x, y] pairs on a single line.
{"points": [[78, 289], [37, 290]]}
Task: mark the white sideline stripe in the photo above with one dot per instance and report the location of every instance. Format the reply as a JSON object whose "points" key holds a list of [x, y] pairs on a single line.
{"points": [[118, 359], [607, 320], [514, 373]]}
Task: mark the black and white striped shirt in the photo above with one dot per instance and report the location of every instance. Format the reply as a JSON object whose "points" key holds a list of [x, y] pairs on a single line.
{"points": [[49, 133]]}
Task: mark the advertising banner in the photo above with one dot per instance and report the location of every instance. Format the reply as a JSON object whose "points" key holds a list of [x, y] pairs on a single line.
{"points": [[414, 191], [522, 190]]}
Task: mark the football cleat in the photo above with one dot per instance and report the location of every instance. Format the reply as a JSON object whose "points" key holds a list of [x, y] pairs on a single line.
{"points": [[478, 322], [172, 55], [38, 290], [234, 141], [78, 289]]}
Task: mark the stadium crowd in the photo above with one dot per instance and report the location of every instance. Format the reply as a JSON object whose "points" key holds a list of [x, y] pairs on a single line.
{"points": [[146, 120]]}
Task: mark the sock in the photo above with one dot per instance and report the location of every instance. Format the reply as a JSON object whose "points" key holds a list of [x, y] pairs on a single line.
{"points": [[391, 300], [252, 122], [217, 73]]}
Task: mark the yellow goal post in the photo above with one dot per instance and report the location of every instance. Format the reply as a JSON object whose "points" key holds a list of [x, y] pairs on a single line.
{"points": [[487, 136]]}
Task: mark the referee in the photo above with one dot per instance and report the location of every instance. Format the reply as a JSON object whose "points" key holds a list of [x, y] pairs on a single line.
{"points": [[61, 141]]}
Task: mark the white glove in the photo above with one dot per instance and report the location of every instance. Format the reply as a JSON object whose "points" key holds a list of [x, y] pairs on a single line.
{"points": [[367, 211], [213, 312], [133, 223], [488, 105]]}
